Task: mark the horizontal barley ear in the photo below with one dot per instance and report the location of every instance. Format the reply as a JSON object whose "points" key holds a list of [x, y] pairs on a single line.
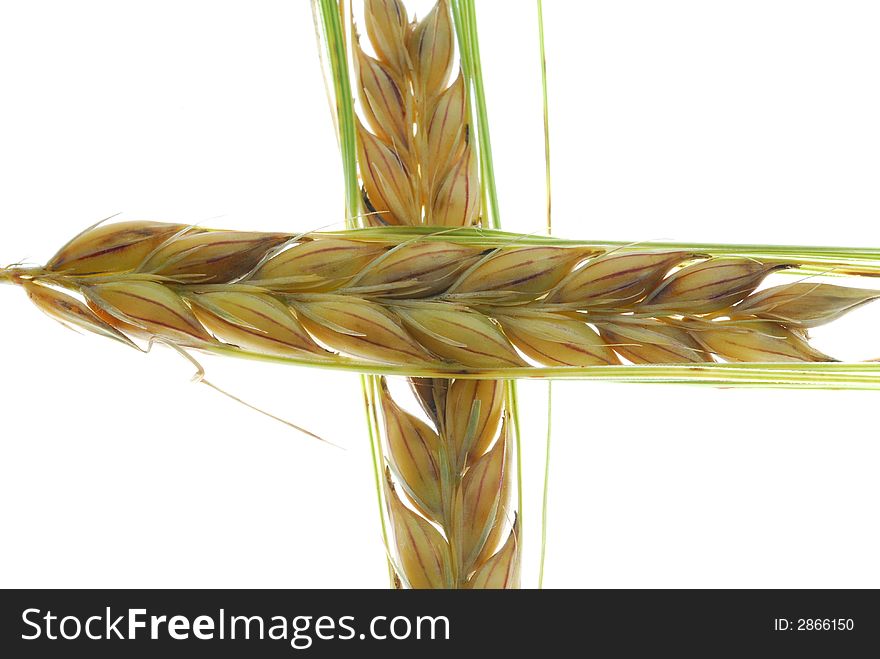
{"points": [[434, 304]]}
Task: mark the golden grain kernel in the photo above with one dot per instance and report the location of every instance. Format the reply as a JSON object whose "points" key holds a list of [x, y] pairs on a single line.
{"points": [[473, 415], [387, 180], [317, 265], [805, 304], [708, 286], [431, 48], [447, 130], [506, 511], [117, 247], [415, 269], [382, 100], [481, 490], [502, 570], [553, 340], [412, 447], [457, 200], [651, 341], [617, 279], [71, 312], [147, 308], [521, 272], [253, 321], [756, 341], [386, 23], [212, 256], [360, 328], [424, 553], [459, 335]]}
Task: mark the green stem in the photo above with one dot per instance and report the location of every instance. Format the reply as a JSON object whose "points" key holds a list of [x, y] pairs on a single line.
{"points": [[820, 375], [547, 189], [372, 430], [808, 258], [465, 17], [513, 402], [545, 497], [546, 115], [343, 102]]}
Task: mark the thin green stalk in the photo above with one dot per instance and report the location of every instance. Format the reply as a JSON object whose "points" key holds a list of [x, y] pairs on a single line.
{"points": [[808, 258], [545, 497], [465, 17], [547, 189], [813, 375], [343, 102], [372, 430], [464, 50], [514, 417], [546, 115]]}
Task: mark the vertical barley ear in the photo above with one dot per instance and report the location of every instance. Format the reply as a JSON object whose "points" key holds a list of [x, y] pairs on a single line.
{"points": [[419, 166]]}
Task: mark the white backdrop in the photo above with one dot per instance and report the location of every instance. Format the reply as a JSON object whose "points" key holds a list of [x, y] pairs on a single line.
{"points": [[741, 122]]}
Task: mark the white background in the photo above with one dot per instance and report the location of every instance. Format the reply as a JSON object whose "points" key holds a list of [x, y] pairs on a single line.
{"points": [[753, 121]]}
